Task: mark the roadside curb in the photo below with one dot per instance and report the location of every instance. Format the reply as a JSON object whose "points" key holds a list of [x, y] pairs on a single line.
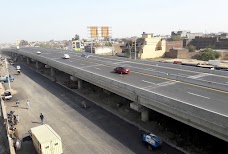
{"points": [[109, 110], [3, 108]]}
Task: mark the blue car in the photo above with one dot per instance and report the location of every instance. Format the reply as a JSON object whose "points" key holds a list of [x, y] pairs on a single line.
{"points": [[5, 79], [152, 141]]}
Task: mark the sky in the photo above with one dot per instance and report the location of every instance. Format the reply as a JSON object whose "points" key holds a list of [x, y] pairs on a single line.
{"points": [[43, 20]]}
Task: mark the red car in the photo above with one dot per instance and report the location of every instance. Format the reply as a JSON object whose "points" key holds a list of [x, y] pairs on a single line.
{"points": [[122, 70]]}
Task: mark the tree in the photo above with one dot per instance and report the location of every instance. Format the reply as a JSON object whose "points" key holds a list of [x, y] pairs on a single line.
{"points": [[208, 54], [76, 37], [176, 38], [23, 43], [191, 48]]}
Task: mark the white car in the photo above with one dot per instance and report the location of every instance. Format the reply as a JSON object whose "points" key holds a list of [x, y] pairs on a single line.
{"points": [[85, 55], [38, 52], [18, 67], [66, 56]]}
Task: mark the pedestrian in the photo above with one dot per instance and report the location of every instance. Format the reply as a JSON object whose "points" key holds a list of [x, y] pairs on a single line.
{"points": [[42, 118], [17, 103], [17, 118], [27, 104]]}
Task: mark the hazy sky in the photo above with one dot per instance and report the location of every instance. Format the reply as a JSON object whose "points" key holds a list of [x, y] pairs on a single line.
{"points": [[43, 20]]}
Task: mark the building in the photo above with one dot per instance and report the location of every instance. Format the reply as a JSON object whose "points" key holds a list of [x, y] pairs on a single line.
{"points": [[220, 42], [173, 44], [147, 46], [176, 35], [179, 34], [77, 45], [100, 50]]}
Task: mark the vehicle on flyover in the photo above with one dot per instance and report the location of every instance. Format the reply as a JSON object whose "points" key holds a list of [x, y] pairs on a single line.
{"points": [[121, 70], [38, 52]]}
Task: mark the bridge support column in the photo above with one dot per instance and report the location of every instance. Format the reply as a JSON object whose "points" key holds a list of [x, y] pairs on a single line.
{"points": [[145, 114], [38, 65], [28, 60], [80, 85], [53, 74], [21, 57]]}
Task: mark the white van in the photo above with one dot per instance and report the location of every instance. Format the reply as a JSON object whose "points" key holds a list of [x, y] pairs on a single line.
{"points": [[46, 140]]}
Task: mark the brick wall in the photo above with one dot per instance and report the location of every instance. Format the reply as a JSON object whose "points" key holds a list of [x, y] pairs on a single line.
{"points": [[173, 44], [180, 53]]}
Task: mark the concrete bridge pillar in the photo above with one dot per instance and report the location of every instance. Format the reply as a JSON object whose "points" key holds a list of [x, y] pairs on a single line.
{"points": [[145, 115], [28, 60], [38, 65], [21, 57], [52, 72], [80, 84]]}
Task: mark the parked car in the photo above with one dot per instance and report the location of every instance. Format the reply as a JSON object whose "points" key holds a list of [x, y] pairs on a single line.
{"points": [[7, 95], [66, 56], [121, 70], [5, 79]]}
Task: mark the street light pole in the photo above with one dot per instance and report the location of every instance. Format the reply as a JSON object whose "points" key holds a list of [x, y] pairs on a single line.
{"points": [[91, 46], [135, 46], [130, 51], [7, 74]]}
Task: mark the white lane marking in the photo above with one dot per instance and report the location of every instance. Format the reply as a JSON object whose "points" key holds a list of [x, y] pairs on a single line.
{"points": [[199, 95], [91, 65], [70, 61], [150, 69], [142, 88], [82, 64], [119, 62], [212, 82], [162, 84], [198, 76], [97, 68], [148, 82], [178, 75]]}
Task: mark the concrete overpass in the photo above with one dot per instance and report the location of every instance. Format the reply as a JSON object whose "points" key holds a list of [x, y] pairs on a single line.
{"points": [[196, 97]]}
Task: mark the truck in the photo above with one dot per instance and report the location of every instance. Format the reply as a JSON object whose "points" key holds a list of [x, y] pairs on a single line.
{"points": [[46, 140], [5, 79], [151, 141]]}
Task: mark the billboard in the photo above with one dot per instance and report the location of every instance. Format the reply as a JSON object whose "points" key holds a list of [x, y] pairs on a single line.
{"points": [[105, 32], [93, 31]]}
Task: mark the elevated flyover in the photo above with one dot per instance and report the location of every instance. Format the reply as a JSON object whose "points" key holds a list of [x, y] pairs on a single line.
{"points": [[195, 96]]}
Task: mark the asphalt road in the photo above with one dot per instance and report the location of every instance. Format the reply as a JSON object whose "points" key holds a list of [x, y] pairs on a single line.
{"points": [[142, 76], [82, 131]]}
